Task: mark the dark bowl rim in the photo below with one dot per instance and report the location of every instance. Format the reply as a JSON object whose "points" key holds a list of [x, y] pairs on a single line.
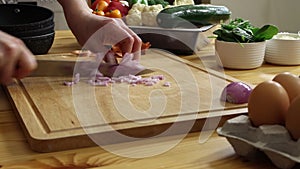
{"points": [[51, 17], [49, 29], [39, 36]]}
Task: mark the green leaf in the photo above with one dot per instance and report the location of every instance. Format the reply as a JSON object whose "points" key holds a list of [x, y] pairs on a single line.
{"points": [[242, 31], [242, 35], [265, 33]]}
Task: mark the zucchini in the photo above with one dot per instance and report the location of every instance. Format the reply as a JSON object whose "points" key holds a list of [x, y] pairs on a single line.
{"points": [[198, 15]]}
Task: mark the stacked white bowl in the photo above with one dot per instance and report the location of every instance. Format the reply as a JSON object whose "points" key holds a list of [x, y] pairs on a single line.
{"points": [[283, 49], [235, 55]]}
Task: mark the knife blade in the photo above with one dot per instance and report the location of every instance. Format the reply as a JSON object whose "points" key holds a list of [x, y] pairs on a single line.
{"points": [[53, 68], [48, 68], [145, 71]]}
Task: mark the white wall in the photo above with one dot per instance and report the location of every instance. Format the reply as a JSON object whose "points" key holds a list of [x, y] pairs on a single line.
{"points": [[282, 13]]}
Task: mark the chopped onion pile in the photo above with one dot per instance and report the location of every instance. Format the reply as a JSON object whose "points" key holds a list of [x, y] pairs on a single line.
{"points": [[128, 66], [236, 92], [100, 80], [118, 73]]}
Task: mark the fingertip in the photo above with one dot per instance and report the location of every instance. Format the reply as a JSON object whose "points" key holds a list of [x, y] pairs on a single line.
{"points": [[137, 55], [25, 70], [25, 65]]}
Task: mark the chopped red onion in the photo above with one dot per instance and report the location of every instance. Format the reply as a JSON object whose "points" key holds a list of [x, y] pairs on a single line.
{"points": [[130, 79], [159, 77], [98, 74], [102, 78], [99, 83], [236, 92], [68, 83], [167, 84], [126, 67], [149, 83], [76, 78]]}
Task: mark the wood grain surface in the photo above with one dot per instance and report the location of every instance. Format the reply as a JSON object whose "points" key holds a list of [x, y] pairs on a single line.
{"points": [[215, 153], [56, 117]]}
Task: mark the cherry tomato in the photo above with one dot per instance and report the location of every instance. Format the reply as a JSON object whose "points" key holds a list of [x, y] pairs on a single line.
{"points": [[108, 1], [115, 4], [102, 5], [100, 13], [114, 13], [95, 4]]}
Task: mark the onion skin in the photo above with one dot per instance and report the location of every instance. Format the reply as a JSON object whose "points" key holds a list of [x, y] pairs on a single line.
{"points": [[236, 92]]}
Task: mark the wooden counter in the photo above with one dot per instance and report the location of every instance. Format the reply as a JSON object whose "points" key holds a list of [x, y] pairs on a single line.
{"points": [[216, 152]]}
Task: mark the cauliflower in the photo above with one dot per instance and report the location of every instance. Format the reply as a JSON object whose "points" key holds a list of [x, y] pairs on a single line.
{"points": [[183, 2], [134, 16], [138, 6], [169, 6], [141, 14], [149, 14]]}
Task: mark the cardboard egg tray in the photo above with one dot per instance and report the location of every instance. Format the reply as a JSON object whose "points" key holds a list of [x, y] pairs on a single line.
{"points": [[273, 140]]}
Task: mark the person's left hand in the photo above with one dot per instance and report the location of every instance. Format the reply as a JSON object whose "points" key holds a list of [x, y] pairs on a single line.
{"points": [[16, 61], [98, 32]]}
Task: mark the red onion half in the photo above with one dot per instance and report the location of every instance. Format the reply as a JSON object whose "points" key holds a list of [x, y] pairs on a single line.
{"points": [[236, 92]]}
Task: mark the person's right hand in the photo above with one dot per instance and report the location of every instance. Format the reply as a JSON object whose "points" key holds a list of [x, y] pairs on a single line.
{"points": [[16, 61]]}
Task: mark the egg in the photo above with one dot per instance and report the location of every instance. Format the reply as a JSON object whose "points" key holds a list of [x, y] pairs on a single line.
{"points": [[293, 118], [290, 82], [268, 104]]}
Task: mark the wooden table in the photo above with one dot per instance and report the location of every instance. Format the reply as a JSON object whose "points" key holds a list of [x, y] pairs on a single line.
{"points": [[189, 153]]}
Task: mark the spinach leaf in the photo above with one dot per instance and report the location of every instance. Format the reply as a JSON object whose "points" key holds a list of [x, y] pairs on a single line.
{"points": [[265, 33], [225, 35], [242, 35], [242, 31]]}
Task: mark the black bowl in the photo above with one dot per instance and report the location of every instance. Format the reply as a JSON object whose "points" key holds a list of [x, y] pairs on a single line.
{"points": [[36, 32], [17, 18], [39, 44]]}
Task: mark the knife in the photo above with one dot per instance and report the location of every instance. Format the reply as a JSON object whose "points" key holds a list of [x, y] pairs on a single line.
{"points": [[53, 68], [66, 66]]}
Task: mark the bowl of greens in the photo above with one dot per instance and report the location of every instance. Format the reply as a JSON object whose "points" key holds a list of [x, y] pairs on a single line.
{"points": [[240, 45]]}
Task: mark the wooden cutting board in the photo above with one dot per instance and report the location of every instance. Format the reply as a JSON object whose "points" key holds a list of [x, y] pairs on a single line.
{"points": [[57, 117]]}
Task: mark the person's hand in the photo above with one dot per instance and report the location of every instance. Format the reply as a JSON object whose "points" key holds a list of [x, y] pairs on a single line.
{"points": [[16, 61], [98, 33]]}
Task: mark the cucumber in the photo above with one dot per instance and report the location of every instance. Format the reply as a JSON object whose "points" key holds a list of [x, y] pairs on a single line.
{"points": [[198, 15]]}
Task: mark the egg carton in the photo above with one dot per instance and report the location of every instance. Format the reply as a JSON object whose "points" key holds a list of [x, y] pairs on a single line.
{"points": [[273, 140]]}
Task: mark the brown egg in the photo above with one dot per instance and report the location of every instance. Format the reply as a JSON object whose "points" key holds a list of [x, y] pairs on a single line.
{"points": [[268, 104], [290, 82], [292, 121]]}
